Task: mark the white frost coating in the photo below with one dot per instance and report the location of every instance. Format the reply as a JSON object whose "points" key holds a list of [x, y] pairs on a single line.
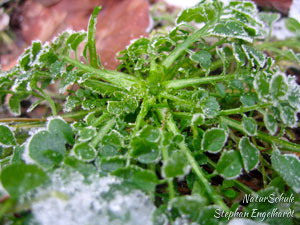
{"points": [[239, 221], [295, 10], [183, 221], [74, 202]]}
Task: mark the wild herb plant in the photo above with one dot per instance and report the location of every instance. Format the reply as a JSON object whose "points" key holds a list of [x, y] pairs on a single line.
{"points": [[184, 123]]}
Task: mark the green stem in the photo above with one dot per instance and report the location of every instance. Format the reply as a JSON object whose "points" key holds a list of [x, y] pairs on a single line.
{"points": [[118, 78], [167, 63], [198, 171], [103, 131], [291, 43], [176, 99], [244, 109], [183, 83], [50, 101], [286, 145], [146, 105], [91, 37]]}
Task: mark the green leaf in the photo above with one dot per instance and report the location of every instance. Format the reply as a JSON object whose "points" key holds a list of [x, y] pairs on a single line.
{"points": [[85, 152], [249, 153], [292, 25], [248, 99], [144, 151], [150, 133], [119, 107], [210, 107], [256, 57], [269, 18], [294, 93], [111, 144], [111, 164], [84, 168], [7, 137], [232, 29], [288, 167], [87, 133], [20, 178], [279, 87], [214, 140], [67, 79], [145, 146], [230, 164], [91, 36], [203, 58], [34, 105], [249, 126], [239, 54], [221, 89], [176, 166], [188, 205], [203, 12], [75, 39], [100, 87], [61, 129], [288, 115], [262, 85], [17, 154], [15, 105], [136, 177], [46, 149], [270, 123]]}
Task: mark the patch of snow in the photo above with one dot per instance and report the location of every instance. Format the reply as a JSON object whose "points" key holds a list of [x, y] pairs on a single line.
{"points": [[295, 10], [69, 199]]}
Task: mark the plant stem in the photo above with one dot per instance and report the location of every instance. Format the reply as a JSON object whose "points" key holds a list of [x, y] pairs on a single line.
{"points": [[198, 171], [146, 105], [243, 109], [91, 37], [118, 78], [263, 136], [103, 131], [165, 156], [176, 99], [50, 101], [183, 83], [290, 43], [167, 63]]}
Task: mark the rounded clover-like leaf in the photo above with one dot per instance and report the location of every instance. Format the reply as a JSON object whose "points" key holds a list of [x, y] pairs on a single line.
{"points": [[249, 126], [144, 151], [270, 123], [176, 165], [20, 178], [85, 152], [7, 137], [214, 140], [249, 153], [279, 87], [87, 133], [60, 128], [288, 167], [230, 164], [46, 149]]}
